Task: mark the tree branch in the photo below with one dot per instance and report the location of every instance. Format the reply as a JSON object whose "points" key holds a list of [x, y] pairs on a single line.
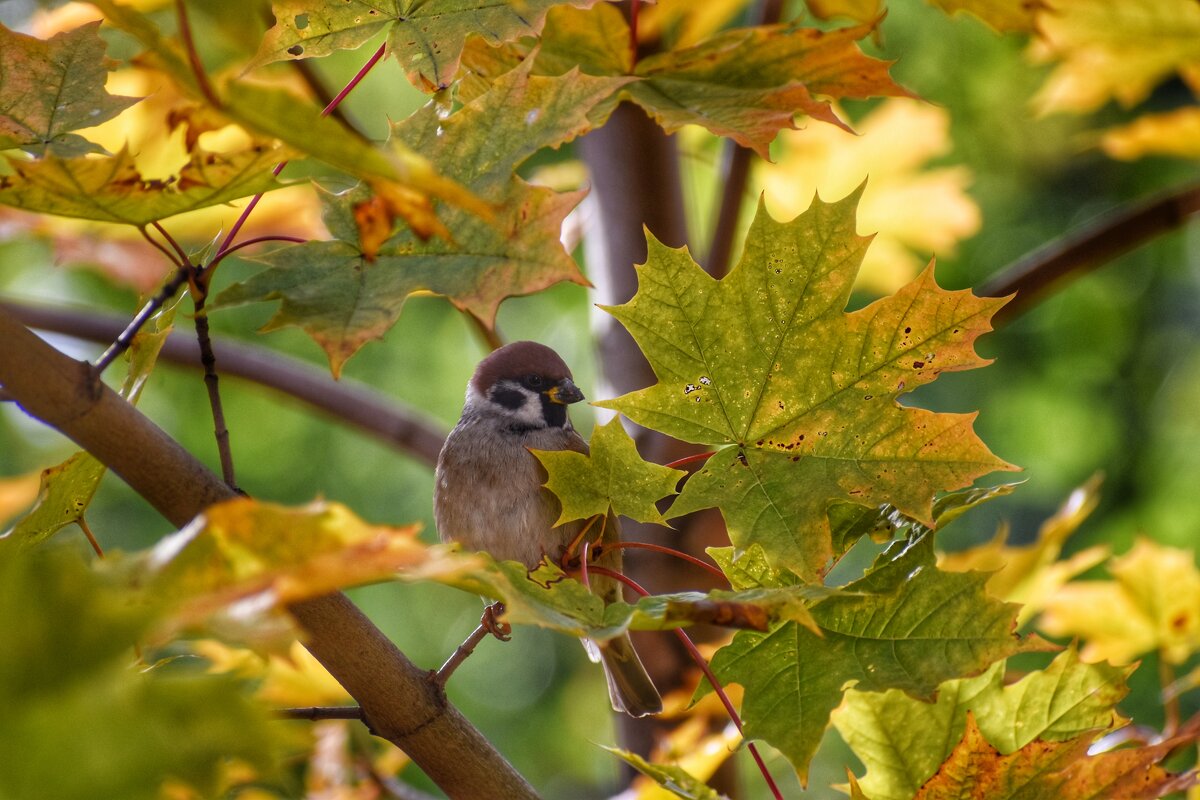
{"points": [[1088, 248], [399, 701], [345, 400]]}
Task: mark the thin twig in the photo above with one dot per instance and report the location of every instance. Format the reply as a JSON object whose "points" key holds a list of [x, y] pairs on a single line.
{"points": [[1092, 246], [125, 337], [321, 712], [460, 654], [212, 383], [698, 657], [185, 33], [346, 400], [735, 172]]}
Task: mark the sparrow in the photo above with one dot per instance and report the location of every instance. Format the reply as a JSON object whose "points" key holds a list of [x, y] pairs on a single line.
{"points": [[489, 493]]}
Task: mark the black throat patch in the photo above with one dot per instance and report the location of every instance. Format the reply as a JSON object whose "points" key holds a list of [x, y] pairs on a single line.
{"points": [[554, 413]]}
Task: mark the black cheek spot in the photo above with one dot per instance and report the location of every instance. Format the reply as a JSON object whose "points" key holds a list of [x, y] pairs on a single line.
{"points": [[509, 398]]}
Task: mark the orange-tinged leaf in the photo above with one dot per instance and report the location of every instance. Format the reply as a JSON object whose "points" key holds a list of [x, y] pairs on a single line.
{"points": [[1152, 603], [745, 83], [915, 211], [1045, 770], [1173, 133], [111, 189], [1114, 50], [49, 88], [426, 36], [977, 771], [344, 300], [374, 225], [766, 360]]}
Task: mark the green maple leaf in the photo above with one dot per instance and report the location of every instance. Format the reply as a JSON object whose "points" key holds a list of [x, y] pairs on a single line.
{"points": [[343, 298], [111, 189], [49, 88], [613, 477], [426, 36], [766, 360], [904, 625], [67, 489], [902, 741]]}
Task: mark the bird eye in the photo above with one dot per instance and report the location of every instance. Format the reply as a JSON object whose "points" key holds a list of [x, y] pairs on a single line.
{"points": [[533, 381]]}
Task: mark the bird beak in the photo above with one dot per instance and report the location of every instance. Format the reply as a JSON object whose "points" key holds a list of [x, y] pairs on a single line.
{"points": [[564, 393]]}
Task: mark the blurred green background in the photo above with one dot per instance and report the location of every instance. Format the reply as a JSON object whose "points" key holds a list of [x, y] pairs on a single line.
{"points": [[1102, 376]]}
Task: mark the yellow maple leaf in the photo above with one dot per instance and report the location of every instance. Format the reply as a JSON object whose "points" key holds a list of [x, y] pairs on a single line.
{"points": [[1152, 603], [1109, 50], [915, 212], [1174, 133]]}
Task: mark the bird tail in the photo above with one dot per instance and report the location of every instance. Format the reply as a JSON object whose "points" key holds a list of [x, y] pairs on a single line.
{"points": [[629, 687]]}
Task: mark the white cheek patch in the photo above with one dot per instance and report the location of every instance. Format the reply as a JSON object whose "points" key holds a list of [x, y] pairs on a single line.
{"points": [[527, 413]]}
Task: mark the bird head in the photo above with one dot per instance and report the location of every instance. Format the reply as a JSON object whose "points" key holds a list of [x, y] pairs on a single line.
{"points": [[525, 385]]}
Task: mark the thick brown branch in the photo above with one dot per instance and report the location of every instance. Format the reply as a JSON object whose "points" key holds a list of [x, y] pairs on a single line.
{"points": [[399, 701], [1090, 247], [345, 400]]}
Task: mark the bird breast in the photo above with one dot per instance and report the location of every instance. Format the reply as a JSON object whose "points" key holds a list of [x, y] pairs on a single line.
{"points": [[488, 493]]}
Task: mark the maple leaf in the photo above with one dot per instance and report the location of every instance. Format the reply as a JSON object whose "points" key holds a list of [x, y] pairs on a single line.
{"points": [[914, 210], [66, 490], [674, 779], [111, 189], [904, 625], [49, 88], [1028, 574], [858, 10], [746, 83], [426, 37], [1153, 603], [1049, 770], [343, 299], [1002, 15], [1173, 133], [902, 741], [766, 360], [612, 477], [1118, 51]]}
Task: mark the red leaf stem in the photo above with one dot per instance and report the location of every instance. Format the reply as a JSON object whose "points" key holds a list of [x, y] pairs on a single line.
{"points": [[694, 652], [185, 33], [160, 247], [227, 245], [686, 460], [658, 548], [183, 258]]}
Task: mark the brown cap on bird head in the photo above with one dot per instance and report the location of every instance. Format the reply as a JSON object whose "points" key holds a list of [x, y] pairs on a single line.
{"points": [[517, 360]]}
